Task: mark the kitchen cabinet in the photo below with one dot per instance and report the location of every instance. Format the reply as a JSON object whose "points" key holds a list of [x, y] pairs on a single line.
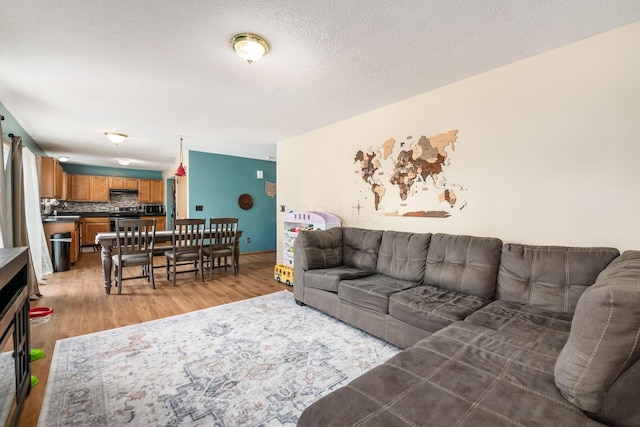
{"points": [[99, 190], [52, 179], [144, 190], [157, 191], [62, 226], [161, 222], [91, 227], [150, 191], [121, 183], [88, 188], [80, 187]]}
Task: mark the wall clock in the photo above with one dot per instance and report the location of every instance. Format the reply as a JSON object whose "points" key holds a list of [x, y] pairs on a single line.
{"points": [[245, 201]]}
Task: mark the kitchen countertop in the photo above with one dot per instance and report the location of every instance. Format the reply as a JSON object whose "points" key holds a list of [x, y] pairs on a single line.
{"points": [[61, 218]]}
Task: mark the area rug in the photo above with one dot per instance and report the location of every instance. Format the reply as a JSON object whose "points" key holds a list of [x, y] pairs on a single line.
{"points": [[258, 362]]}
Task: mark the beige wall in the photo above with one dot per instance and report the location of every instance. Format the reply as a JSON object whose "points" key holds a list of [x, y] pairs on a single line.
{"points": [[548, 149]]}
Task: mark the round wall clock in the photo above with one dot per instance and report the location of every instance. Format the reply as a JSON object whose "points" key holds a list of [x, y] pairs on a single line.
{"points": [[245, 201]]}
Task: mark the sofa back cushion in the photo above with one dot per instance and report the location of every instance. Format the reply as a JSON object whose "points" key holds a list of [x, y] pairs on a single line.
{"points": [[549, 277], [464, 264], [604, 340], [360, 247], [321, 248], [403, 255]]}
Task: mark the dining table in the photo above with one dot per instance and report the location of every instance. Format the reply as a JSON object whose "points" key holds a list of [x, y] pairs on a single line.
{"points": [[107, 241]]}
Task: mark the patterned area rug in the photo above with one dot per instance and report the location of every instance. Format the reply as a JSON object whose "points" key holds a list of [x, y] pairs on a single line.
{"points": [[258, 362]]}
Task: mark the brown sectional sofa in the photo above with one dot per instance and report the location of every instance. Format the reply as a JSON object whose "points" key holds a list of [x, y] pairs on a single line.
{"points": [[495, 334]]}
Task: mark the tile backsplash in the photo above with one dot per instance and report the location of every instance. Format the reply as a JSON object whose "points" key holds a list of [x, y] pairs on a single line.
{"points": [[117, 200]]}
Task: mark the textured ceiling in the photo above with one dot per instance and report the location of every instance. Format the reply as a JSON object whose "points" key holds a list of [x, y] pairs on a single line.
{"points": [[71, 70]]}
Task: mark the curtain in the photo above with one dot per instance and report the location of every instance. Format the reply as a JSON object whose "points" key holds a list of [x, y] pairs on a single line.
{"points": [[4, 207], [18, 212], [37, 240]]}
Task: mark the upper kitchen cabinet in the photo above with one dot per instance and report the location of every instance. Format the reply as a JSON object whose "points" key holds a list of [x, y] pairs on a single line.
{"points": [[99, 189], [80, 187], [88, 188], [119, 183], [150, 191], [53, 179]]}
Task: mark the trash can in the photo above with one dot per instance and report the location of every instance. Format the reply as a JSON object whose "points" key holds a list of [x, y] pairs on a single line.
{"points": [[60, 249]]}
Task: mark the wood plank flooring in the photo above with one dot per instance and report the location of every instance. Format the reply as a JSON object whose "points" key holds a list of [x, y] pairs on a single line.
{"points": [[82, 306]]}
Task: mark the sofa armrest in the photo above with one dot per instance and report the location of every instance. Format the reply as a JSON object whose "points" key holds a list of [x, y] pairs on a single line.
{"points": [[313, 250]]}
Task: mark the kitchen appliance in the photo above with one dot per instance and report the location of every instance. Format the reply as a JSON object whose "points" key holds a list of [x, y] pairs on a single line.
{"points": [[130, 212], [153, 209]]}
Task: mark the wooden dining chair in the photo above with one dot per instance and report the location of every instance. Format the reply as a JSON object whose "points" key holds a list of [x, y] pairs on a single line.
{"points": [[222, 244], [186, 242], [134, 243]]}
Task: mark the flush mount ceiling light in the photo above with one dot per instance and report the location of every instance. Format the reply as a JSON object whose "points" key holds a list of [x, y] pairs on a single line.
{"points": [[124, 162], [63, 159], [249, 47], [115, 137]]}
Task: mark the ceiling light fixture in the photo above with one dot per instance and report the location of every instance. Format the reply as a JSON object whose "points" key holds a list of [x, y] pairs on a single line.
{"points": [[249, 47], [180, 170], [124, 162], [63, 159], [115, 137]]}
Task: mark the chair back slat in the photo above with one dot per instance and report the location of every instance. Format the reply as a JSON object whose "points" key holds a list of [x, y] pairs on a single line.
{"points": [[188, 234], [135, 236], [223, 232]]}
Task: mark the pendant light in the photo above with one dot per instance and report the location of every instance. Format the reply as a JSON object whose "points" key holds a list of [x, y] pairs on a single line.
{"points": [[180, 170]]}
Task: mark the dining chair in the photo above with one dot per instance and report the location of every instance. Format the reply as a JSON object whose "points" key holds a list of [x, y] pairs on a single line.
{"points": [[222, 244], [134, 243], [186, 247]]}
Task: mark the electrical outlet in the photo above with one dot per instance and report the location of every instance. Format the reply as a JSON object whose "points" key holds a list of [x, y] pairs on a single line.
{"points": [[199, 208], [248, 239], [282, 208]]}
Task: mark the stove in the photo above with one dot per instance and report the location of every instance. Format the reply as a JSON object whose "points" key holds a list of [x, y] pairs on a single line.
{"points": [[122, 212]]}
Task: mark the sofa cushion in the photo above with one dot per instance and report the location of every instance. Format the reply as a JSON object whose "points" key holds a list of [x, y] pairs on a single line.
{"points": [[605, 335], [327, 279], [530, 323], [360, 247], [372, 292], [465, 264], [403, 255], [549, 277], [463, 375], [322, 248], [431, 308]]}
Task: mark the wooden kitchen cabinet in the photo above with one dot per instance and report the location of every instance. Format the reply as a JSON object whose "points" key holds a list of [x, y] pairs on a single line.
{"points": [[99, 191], [157, 191], [150, 191], [80, 187], [91, 227], [121, 183], [161, 222], [52, 179]]}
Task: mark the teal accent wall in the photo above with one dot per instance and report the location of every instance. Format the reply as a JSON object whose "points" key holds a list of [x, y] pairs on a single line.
{"points": [[107, 171], [11, 125], [216, 181]]}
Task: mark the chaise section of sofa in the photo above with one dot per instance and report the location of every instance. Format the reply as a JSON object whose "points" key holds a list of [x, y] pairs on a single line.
{"points": [[462, 375]]}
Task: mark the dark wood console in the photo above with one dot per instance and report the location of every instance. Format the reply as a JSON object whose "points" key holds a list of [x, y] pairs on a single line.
{"points": [[14, 330]]}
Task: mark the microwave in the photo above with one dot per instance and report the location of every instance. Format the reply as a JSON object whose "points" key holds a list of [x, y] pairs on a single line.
{"points": [[153, 209]]}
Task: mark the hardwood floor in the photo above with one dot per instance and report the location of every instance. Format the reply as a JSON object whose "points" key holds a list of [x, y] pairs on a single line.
{"points": [[81, 305]]}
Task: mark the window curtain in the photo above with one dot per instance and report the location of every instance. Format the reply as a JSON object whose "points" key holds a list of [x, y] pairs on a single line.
{"points": [[18, 212], [4, 207], [37, 240]]}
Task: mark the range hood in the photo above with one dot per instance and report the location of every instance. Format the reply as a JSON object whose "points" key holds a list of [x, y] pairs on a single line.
{"points": [[116, 191]]}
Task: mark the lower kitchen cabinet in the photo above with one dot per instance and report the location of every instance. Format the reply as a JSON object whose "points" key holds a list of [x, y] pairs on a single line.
{"points": [[91, 227]]}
